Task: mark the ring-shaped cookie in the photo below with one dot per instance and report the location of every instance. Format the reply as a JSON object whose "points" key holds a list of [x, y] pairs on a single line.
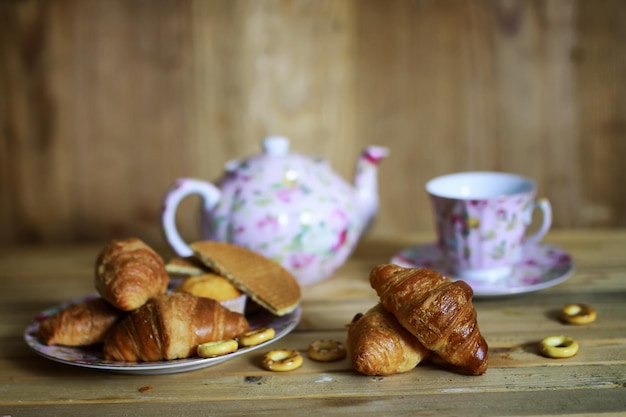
{"points": [[578, 314], [326, 351], [217, 348], [558, 347], [255, 337], [282, 360]]}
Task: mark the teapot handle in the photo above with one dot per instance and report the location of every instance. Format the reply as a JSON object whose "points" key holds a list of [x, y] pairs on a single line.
{"points": [[182, 188]]}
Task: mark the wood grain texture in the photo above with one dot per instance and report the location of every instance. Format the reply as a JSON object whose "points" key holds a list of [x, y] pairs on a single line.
{"points": [[104, 104], [519, 381]]}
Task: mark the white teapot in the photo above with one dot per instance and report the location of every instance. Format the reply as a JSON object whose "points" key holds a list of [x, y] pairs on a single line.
{"points": [[285, 206]]}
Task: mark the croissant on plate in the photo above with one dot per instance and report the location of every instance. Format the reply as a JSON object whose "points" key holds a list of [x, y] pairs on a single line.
{"points": [[171, 326], [378, 345], [129, 273], [80, 324], [436, 310]]}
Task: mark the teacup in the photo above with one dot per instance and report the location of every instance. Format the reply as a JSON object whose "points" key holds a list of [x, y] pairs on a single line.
{"points": [[482, 220]]}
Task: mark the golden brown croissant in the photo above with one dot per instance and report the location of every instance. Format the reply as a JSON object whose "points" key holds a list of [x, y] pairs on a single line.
{"points": [[171, 326], [81, 324], [378, 345], [436, 310], [129, 272]]}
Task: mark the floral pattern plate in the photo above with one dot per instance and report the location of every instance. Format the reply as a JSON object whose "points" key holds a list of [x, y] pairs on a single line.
{"points": [[92, 357], [541, 266]]}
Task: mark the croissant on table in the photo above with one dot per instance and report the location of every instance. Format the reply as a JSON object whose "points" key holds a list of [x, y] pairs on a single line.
{"points": [[129, 273], [80, 324], [378, 345], [436, 310], [171, 326]]}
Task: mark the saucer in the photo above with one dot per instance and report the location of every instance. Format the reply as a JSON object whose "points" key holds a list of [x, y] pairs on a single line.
{"points": [[541, 266]]}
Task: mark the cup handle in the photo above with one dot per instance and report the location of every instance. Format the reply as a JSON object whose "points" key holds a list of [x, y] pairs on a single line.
{"points": [[544, 205], [182, 188]]}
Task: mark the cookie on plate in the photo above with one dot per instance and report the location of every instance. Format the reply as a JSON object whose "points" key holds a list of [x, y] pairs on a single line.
{"points": [[265, 281]]}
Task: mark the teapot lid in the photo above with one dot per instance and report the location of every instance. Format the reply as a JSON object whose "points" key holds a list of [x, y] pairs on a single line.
{"points": [[276, 146]]}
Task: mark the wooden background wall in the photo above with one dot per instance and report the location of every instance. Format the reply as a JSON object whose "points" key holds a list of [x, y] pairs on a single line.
{"points": [[104, 103]]}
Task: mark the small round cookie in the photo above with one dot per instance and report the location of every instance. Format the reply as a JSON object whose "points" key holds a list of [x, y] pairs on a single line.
{"points": [[282, 360], [217, 348], [558, 347], [256, 336], [578, 314], [326, 351]]}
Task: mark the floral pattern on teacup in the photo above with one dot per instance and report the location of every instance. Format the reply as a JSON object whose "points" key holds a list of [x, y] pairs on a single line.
{"points": [[480, 234]]}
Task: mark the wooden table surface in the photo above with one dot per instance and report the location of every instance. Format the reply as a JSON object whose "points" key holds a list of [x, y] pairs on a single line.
{"points": [[519, 382]]}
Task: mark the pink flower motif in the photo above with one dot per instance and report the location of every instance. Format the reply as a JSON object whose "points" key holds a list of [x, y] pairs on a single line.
{"points": [[269, 223], [532, 280], [559, 258], [343, 236], [301, 260], [285, 194], [338, 218], [478, 203], [457, 219], [564, 259]]}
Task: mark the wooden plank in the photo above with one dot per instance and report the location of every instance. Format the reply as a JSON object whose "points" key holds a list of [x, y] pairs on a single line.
{"points": [[519, 381], [601, 104], [424, 383], [535, 403], [103, 107]]}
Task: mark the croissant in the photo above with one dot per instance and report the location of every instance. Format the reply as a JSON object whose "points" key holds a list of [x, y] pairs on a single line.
{"points": [[171, 326], [436, 310], [129, 272], [378, 345], [81, 324]]}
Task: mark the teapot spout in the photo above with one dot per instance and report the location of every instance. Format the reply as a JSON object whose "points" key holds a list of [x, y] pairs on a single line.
{"points": [[366, 184]]}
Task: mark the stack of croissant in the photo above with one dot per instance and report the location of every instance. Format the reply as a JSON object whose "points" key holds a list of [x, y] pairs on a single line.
{"points": [[134, 318], [421, 314]]}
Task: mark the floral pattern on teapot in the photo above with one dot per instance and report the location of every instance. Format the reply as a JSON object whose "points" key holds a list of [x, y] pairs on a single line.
{"points": [[290, 208]]}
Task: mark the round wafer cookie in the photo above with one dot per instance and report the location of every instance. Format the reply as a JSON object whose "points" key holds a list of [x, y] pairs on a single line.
{"points": [[263, 280]]}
